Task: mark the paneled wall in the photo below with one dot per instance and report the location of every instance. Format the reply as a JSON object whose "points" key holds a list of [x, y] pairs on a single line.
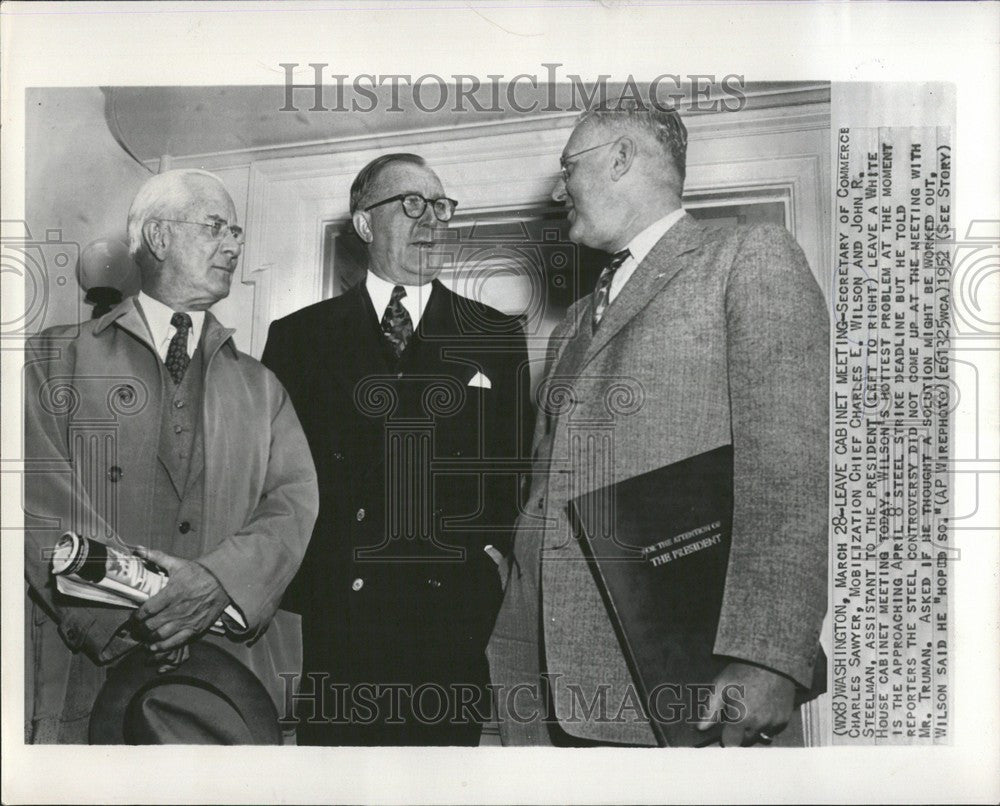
{"points": [[286, 202]]}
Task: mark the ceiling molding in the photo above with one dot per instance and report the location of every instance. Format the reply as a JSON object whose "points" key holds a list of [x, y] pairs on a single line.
{"points": [[795, 108]]}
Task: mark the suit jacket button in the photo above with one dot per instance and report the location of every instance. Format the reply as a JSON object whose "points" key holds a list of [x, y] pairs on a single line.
{"points": [[361, 514], [338, 456], [357, 584], [115, 473], [184, 527], [434, 583]]}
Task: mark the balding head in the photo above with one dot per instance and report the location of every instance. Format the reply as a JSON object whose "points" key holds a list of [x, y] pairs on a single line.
{"points": [[661, 131], [622, 170]]}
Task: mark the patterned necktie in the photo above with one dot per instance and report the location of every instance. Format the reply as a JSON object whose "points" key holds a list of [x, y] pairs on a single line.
{"points": [[177, 353], [396, 323], [603, 291]]}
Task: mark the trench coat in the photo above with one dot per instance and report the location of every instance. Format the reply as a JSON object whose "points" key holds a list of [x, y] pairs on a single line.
{"points": [[93, 398]]}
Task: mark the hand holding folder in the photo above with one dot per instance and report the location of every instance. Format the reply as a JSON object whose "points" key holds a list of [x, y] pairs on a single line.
{"points": [[658, 545]]}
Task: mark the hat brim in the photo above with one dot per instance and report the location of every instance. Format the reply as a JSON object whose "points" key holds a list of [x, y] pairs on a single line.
{"points": [[235, 690]]}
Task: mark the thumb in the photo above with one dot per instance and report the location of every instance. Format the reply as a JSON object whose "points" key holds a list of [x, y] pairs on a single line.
{"points": [[167, 562]]}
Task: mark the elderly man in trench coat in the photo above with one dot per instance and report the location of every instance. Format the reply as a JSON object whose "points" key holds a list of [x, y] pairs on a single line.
{"points": [[147, 426]]}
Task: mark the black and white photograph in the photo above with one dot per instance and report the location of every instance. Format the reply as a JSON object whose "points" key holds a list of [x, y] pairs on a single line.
{"points": [[499, 403]]}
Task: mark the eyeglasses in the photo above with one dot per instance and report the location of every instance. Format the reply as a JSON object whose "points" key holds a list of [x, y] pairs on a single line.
{"points": [[217, 226], [566, 167], [414, 205]]}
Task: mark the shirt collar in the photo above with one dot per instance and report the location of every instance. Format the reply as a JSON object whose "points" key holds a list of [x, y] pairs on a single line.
{"points": [[415, 301], [158, 318], [642, 243]]}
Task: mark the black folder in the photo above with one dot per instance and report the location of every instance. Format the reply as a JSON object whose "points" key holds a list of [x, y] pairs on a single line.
{"points": [[658, 545]]}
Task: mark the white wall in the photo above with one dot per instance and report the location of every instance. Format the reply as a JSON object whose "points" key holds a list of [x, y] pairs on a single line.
{"points": [[80, 182]]}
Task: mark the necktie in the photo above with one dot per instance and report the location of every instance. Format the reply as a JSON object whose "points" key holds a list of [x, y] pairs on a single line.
{"points": [[396, 323], [603, 290], [177, 353]]}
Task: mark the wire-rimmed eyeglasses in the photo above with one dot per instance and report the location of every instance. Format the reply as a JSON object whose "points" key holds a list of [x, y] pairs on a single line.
{"points": [[217, 226], [566, 167], [414, 205]]}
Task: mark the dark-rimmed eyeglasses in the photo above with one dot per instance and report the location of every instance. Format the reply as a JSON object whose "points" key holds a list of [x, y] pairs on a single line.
{"points": [[218, 227], [414, 205], [566, 167]]}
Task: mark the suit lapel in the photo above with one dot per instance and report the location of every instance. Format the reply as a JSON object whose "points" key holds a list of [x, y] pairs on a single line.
{"points": [[657, 269], [575, 343], [436, 322], [438, 329], [355, 341]]}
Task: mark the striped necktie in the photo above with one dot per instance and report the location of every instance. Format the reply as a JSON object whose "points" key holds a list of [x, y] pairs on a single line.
{"points": [[603, 291]]}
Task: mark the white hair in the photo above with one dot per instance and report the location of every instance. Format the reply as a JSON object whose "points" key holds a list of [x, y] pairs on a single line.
{"points": [[161, 195]]}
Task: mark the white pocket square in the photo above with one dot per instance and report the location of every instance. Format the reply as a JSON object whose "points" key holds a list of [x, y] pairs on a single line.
{"points": [[480, 381]]}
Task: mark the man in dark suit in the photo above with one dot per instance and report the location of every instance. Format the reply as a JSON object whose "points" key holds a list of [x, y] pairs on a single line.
{"points": [[411, 398], [693, 339]]}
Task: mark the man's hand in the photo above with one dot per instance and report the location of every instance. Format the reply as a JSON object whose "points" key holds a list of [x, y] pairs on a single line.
{"points": [[171, 659], [189, 604], [768, 698], [502, 564]]}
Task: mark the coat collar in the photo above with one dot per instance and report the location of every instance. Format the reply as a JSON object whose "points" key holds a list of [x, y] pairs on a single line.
{"points": [[656, 270], [127, 316]]}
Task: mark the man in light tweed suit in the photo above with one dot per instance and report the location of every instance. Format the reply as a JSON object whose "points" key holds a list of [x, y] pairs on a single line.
{"points": [[694, 339]]}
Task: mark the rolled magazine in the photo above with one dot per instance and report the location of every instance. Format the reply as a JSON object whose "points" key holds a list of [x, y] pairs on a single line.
{"points": [[89, 569]]}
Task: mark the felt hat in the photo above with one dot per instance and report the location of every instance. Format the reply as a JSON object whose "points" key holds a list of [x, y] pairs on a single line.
{"points": [[211, 698]]}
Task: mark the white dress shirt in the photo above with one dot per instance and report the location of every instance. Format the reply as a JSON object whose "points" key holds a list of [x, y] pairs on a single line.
{"points": [[158, 318], [415, 300], [639, 246]]}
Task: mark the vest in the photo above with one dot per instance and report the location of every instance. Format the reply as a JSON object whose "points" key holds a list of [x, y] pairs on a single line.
{"points": [[180, 483]]}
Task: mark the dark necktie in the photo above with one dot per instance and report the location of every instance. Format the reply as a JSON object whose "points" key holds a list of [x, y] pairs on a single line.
{"points": [[177, 353], [602, 292], [396, 323]]}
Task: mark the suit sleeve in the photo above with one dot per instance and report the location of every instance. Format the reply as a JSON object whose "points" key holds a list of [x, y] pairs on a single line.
{"points": [[778, 356], [512, 439], [55, 503], [256, 565]]}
